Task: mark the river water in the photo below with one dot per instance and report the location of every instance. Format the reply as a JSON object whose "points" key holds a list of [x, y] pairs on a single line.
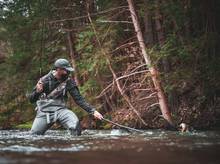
{"points": [[110, 146]]}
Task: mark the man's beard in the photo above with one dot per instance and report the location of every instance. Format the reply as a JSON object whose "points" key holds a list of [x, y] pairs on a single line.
{"points": [[64, 76]]}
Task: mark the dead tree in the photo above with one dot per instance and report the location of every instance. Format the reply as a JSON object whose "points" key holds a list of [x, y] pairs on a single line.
{"points": [[153, 71]]}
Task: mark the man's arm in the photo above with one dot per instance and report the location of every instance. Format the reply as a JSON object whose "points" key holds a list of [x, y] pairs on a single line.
{"points": [[77, 97], [34, 96], [74, 92]]}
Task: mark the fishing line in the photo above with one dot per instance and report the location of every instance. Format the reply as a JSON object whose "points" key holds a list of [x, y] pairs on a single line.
{"points": [[123, 126]]}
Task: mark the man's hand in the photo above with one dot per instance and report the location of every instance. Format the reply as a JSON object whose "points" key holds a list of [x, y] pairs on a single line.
{"points": [[98, 115], [39, 86]]}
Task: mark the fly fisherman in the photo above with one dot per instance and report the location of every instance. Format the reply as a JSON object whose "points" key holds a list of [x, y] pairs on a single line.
{"points": [[50, 95]]}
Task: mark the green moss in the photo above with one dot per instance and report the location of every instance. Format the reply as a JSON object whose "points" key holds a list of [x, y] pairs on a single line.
{"points": [[24, 126]]}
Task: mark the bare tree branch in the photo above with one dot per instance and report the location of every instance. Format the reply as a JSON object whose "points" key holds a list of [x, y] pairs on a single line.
{"points": [[86, 16], [109, 21], [150, 96], [114, 74]]}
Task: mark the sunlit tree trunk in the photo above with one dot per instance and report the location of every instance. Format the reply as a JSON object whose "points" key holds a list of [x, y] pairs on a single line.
{"points": [[152, 69]]}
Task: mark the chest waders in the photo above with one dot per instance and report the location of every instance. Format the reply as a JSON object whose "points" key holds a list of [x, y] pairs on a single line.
{"points": [[49, 104], [51, 108]]}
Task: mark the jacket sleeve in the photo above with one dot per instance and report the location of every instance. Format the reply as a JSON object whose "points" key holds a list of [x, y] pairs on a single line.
{"points": [[34, 96], [78, 98]]}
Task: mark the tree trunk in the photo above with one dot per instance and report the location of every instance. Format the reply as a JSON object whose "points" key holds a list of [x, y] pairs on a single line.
{"points": [[148, 31], [72, 56], [152, 69], [172, 98]]}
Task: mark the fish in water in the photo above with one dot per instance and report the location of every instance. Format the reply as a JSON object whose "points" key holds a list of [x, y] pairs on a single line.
{"points": [[184, 127]]}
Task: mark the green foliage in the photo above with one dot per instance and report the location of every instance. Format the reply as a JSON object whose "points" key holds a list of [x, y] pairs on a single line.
{"points": [[33, 41], [79, 112], [89, 86]]}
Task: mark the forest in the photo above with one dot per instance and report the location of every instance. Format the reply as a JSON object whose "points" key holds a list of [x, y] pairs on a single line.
{"points": [[141, 63]]}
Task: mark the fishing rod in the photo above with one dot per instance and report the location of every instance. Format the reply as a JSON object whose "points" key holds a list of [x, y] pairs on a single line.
{"points": [[123, 126]]}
